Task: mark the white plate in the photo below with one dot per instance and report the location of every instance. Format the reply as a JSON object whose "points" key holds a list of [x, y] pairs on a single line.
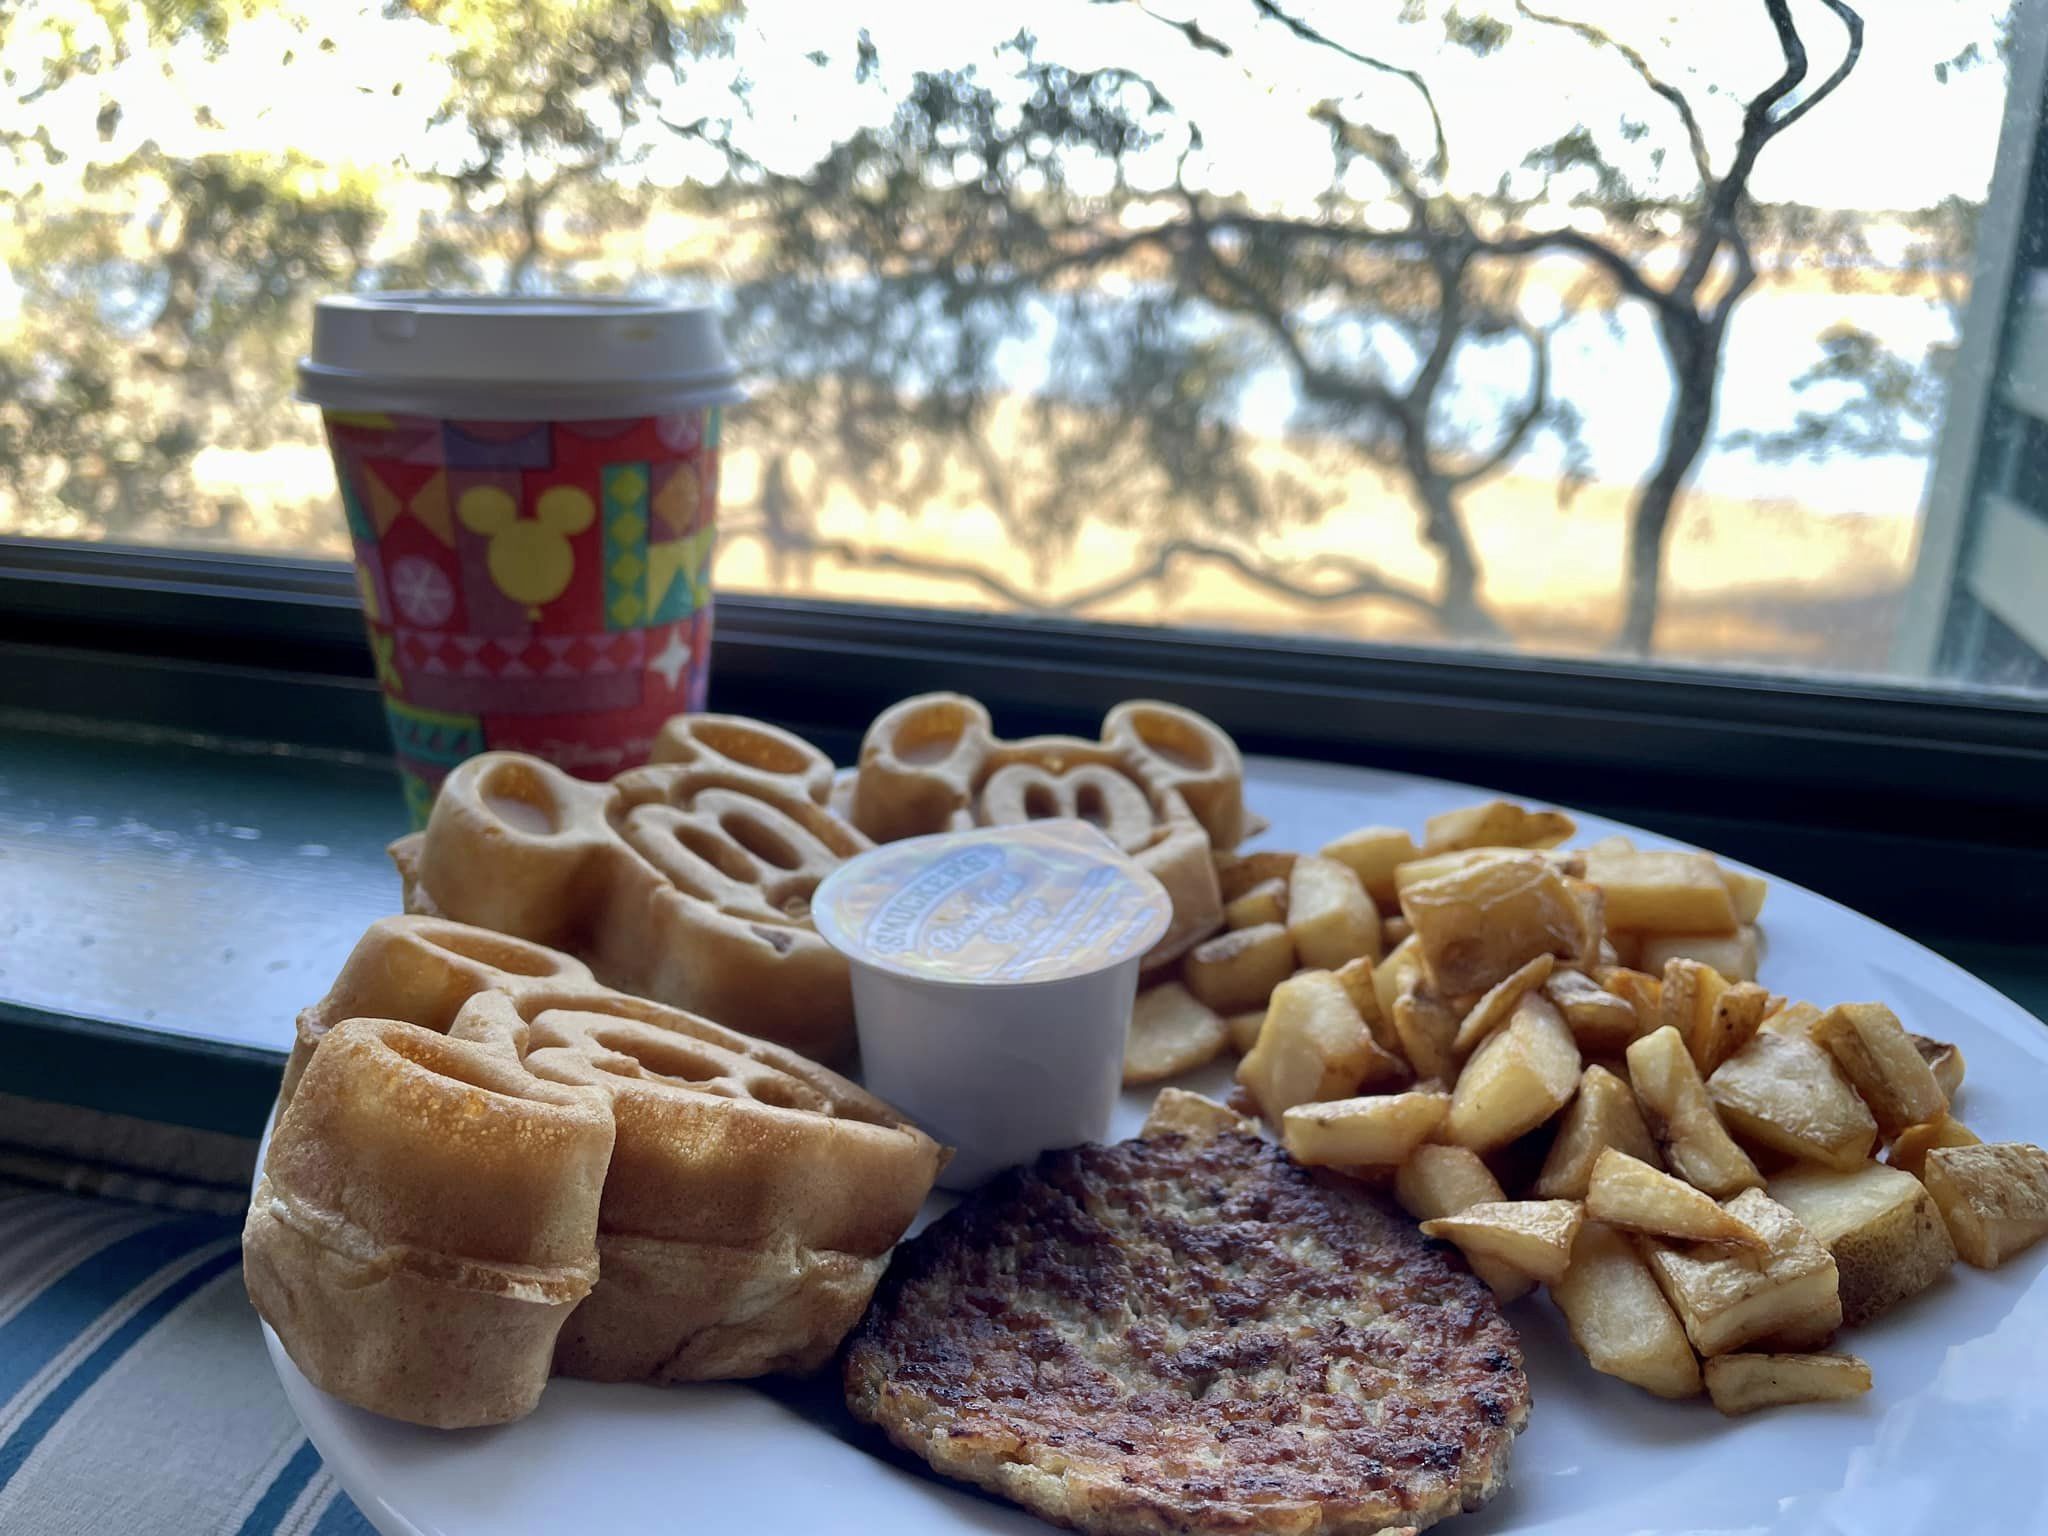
{"points": [[1949, 1440]]}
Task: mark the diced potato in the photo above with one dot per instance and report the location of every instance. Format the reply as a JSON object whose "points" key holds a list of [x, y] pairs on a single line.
{"points": [[1244, 1029], [1910, 1151], [1690, 993], [1743, 1383], [1792, 1019], [1519, 1077], [1373, 854], [1994, 1198], [1492, 1010], [1376, 1132], [1442, 1181], [1617, 948], [1496, 824], [1641, 991], [1171, 1032], [1614, 842], [1784, 1092], [1237, 873], [1602, 1023], [1533, 1236], [1313, 1046], [1733, 956], [1881, 1226], [1329, 916], [1479, 923], [1660, 892], [1427, 1029], [1619, 1318], [1729, 1297], [1395, 929], [1434, 866], [1746, 891], [1627, 1192], [1237, 971], [1357, 977], [1696, 1146], [1880, 1058], [1736, 1015], [1592, 907], [1177, 1112], [1944, 1061], [1394, 974], [1265, 902], [1603, 1114]]}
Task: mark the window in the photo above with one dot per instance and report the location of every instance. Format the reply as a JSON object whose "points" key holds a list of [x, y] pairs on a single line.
{"points": [[1230, 314]]}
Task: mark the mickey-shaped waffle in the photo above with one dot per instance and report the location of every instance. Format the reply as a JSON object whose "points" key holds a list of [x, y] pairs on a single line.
{"points": [[486, 1166], [1164, 784], [687, 881]]}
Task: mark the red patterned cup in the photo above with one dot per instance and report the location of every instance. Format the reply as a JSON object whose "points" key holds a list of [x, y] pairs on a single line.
{"points": [[531, 489]]}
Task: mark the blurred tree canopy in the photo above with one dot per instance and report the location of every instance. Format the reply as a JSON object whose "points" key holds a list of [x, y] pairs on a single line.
{"points": [[885, 286]]}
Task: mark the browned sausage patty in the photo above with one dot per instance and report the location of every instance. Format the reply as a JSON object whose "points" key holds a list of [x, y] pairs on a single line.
{"points": [[1182, 1336]]}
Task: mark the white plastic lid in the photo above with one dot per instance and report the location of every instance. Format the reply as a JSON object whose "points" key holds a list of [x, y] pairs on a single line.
{"points": [[502, 358], [998, 905]]}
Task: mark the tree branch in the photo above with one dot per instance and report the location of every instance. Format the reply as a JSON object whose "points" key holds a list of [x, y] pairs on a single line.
{"points": [[1525, 420], [1635, 60], [1602, 255], [1441, 158], [1852, 23]]}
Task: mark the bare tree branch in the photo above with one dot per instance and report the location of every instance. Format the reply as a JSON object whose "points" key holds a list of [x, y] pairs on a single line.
{"points": [[1606, 257], [1525, 420], [1635, 60], [1440, 161], [1852, 23]]}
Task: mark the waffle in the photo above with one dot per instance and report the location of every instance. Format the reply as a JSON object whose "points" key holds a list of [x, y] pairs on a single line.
{"points": [[687, 881], [487, 1167], [1163, 783]]}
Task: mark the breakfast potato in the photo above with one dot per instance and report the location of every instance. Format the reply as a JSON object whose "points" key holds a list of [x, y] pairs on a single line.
{"points": [[1237, 873], [1244, 1029], [1177, 1112], [1532, 1236], [1592, 921], [1601, 1022], [1602, 1114], [1660, 892], [1237, 971], [1357, 977], [1643, 993], [1880, 1059], [1627, 1192], [1427, 1028], [1373, 854], [1375, 1132], [1729, 1297], [1619, 1318], [1782, 1091], [1493, 1008], [1881, 1226], [1395, 929], [1909, 1152], [1434, 866], [1171, 1032], [1313, 1046], [1682, 1118], [1736, 1016], [1747, 892], [1497, 824], [1742, 1383], [1520, 1076], [1994, 1198], [1944, 1061], [1442, 1181], [1265, 902], [1399, 970], [1792, 1019], [1477, 924], [1329, 916], [1731, 955]]}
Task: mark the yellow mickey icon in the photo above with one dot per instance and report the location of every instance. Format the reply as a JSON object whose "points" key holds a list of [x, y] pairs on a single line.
{"points": [[530, 561]]}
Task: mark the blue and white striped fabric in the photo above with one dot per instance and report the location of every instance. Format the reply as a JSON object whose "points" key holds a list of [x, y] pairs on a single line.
{"points": [[135, 1394]]}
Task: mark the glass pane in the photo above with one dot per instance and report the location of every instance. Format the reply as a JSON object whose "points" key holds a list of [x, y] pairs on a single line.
{"points": [[1586, 327]]}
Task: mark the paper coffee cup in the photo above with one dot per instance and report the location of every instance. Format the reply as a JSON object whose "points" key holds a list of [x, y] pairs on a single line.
{"points": [[531, 487], [993, 977]]}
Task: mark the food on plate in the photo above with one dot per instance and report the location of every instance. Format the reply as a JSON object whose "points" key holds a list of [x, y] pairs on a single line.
{"points": [[1523, 1074], [1313, 1045], [1442, 1181], [1619, 1318], [1792, 1019], [1426, 1030], [1682, 1118], [1880, 1058], [1746, 891], [1176, 1112], [1478, 923], [1662, 891], [1237, 873], [1172, 1031], [1784, 1092], [1628, 1193], [1642, 992], [1374, 1132], [1743, 1383], [1600, 1021], [1733, 956], [1244, 1029], [1493, 1008], [1495, 824], [1400, 970], [1302, 1361], [1265, 902], [1916, 1141], [1162, 783], [1238, 970], [1357, 979], [1728, 1297], [1721, 1030], [1329, 916], [485, 1163], [1944, 1061], [1881, 1226], [687, 881], [1373, 854], [1994, 1198], [1603, 1114], [1531, 1236]]}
